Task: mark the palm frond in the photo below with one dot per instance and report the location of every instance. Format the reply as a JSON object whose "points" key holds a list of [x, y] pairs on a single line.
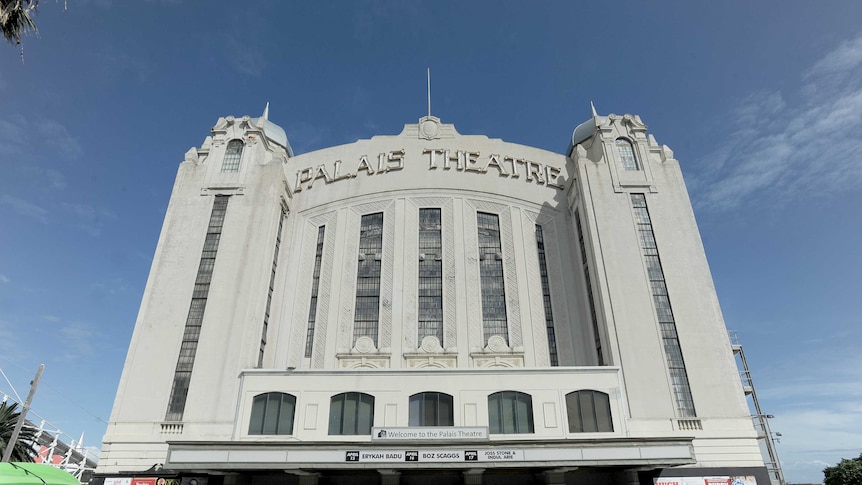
{"points": [[16, 19], [24, 447]]}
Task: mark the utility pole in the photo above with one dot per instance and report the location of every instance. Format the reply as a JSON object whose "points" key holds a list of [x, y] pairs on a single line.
{"points": [[21, 417]]}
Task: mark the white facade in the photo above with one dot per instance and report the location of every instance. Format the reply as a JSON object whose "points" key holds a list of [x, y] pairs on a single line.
{"points": [[310, 287]]}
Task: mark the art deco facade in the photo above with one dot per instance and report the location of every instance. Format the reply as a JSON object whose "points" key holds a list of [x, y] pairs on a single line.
{"points": [[430, 307]]}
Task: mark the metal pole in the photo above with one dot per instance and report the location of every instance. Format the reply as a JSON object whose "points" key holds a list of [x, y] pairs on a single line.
{"points": [[21, 417]]}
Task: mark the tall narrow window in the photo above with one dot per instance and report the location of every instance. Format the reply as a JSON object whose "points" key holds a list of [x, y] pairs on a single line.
{"points": [[430, 275], [272, 413], [589, 412], [232, 156], [431, 409], [194, 320], [367, 314], [546, 298], [281, 217], [626, 153], [589, 285], [351, 413], [510, 412], [491, 277], [315, 283], [672, 349]]}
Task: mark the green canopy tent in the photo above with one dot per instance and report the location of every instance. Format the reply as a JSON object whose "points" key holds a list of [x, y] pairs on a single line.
{"points": [[34, 474]]}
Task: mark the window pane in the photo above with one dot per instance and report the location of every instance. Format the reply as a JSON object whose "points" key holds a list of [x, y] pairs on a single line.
{"points": [[491, 277], [663, 308], [494, 421], [232, 156], [365, 414], [336, 414], [589, 412], [573, 412], [626, 154], [315, 284], [194, 319], [415, 416], [510, 412], [255, 425], [270, 420], [430, 275], [350, 415], [445, 411], [367, 310], [603, 411], [546, 295], [523, 414]]}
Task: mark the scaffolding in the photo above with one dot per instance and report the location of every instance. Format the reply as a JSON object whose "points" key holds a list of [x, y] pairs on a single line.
{"points": [[765, 435]]}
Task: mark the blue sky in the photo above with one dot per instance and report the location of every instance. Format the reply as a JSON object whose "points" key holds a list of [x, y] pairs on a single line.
{"points": [[760, 101]]}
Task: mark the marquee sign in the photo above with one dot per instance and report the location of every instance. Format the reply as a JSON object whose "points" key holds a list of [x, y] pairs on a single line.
{"points": [[432, 456], [429, 433], [740, 480]]}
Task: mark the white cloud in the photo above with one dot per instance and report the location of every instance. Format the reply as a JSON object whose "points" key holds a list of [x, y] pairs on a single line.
{"points": [[90, 218], [79, 340], [846, 57], [244, 57], [781, 149], [24, 208], [305, 136], [4, 279], [24, 140], [817, 404]]}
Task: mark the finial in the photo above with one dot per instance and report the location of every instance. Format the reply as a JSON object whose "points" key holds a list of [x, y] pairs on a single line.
{"points": [[265, 114], [592, 107], [429, 91]]}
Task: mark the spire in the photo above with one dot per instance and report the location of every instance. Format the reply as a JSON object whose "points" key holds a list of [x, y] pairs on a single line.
{"points": [[265, 114], [592, 107], [429, 91]]}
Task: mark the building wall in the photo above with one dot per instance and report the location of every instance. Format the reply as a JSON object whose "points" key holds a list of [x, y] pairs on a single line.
{"points": [[430, 165]]}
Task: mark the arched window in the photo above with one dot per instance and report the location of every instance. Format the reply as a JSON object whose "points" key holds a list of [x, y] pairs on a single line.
{"points": [[272, 413], [510, 412], [626, 153], [351, 413], [232, 155], [431, 409], [589, 412]]}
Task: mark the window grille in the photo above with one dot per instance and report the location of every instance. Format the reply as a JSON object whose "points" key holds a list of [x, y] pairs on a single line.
{"points": [[430, 274], [626, 153], [272, 414], [431, 409], [491, 277], [351, 413], [271, 287], [590, 299], [589, 412], [194, 320], [315, 283], [232, 156], [664, 312], [510, 412], [546, 298], [366, 316]]}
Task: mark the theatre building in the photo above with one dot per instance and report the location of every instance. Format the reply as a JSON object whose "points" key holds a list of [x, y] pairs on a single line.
{"points": [[430, 308]]}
